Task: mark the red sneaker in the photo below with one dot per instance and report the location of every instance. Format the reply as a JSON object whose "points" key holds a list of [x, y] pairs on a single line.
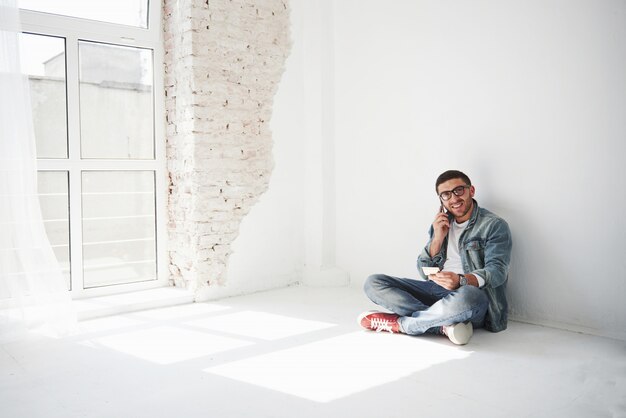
{"points": [[379, 321]]}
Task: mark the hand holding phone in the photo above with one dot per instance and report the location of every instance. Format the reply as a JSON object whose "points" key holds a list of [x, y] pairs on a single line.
{"points": [[441, 225]]}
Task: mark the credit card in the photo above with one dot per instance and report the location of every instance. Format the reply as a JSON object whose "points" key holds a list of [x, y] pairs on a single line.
{"points": [[430, 270]]}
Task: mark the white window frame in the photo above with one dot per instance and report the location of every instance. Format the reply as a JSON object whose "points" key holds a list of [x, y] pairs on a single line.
{"points": [[74, 30]]}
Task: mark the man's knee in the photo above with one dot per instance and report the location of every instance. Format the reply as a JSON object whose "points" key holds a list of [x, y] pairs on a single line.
{"points": [[472, 296], [374, 283]]}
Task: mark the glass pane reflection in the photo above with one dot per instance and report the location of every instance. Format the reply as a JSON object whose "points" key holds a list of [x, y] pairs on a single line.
{"points": [[43, 60], [119, 241], [116, 101], [52, 189]]}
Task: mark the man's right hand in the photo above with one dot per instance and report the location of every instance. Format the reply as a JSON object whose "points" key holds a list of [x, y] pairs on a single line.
{"points": [[441, 226]]}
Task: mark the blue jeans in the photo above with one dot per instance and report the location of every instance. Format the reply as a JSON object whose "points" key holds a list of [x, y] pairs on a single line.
{"points": [[424, 306]]}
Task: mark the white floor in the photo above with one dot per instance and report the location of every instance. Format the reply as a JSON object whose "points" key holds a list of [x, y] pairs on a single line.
{"points": [[298, 352]]}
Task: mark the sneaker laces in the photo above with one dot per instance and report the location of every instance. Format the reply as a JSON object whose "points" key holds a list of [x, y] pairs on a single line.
{"points": [[379, 324]]}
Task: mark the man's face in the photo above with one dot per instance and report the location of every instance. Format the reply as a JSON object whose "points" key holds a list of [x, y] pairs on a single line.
{"points": [[459, 206]]}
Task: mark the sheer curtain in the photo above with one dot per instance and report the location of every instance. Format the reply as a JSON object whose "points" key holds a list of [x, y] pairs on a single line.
{"points": [[33, 294]]}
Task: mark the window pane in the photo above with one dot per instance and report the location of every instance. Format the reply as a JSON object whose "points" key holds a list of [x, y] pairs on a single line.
{"points": [[123, 12], [119, 242], [116, 101], [54, 202], [43, 60]]}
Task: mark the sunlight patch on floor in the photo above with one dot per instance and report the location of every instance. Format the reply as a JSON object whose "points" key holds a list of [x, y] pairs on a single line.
{"points": [[108, 323], [337, 367], [166, 345], [261, 325], [182, 311]]}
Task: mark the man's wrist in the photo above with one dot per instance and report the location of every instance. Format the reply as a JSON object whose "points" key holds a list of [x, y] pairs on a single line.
{"points": [[462, 280], [480, 282], [435, 246], [472, 280]]}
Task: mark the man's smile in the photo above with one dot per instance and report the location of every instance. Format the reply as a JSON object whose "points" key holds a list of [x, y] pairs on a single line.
{"points": [[456, 205]]}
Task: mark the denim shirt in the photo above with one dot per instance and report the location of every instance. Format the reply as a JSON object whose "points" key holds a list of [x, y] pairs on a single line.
{"points": [[485, 248]]}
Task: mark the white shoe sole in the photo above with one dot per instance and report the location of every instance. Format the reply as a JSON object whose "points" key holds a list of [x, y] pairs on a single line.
{"points": [[460, 333]]}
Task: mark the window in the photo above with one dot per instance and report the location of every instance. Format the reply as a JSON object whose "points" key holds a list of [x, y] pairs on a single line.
{"points": [[96, 95], [43, 60], [118, 227], [53, 189], [123, 12]]}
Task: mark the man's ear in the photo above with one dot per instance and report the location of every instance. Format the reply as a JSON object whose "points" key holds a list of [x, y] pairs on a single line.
{"points": [[472, 191]]}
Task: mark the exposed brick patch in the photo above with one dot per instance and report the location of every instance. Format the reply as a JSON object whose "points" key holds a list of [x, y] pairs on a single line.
{"points": [[223, 62]]}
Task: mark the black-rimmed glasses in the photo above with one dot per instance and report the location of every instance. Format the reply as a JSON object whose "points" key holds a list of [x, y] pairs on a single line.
{"points": [[458, 191]]}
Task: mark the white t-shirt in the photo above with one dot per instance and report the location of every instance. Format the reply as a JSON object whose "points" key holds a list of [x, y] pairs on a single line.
{"points": [[453, 262]]}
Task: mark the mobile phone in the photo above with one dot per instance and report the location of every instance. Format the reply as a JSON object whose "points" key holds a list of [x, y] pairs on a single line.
{"points": [[442, 209]]}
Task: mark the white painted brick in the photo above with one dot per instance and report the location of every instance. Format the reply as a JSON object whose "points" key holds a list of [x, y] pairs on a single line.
{"points": [[223, 62]]}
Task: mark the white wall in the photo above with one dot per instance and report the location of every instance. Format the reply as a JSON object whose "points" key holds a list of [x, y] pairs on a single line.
{"points": [[529, 99], [270, 249], [289, 236]]}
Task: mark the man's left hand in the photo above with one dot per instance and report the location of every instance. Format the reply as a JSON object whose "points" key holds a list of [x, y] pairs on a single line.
{"points": [[446, 279]]}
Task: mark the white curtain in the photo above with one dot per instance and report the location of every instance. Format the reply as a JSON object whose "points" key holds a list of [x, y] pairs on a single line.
{"points": [[33, 294]]}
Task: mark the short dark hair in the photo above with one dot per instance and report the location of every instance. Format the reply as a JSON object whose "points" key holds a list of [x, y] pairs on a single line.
{"points": [[449, 175]]}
